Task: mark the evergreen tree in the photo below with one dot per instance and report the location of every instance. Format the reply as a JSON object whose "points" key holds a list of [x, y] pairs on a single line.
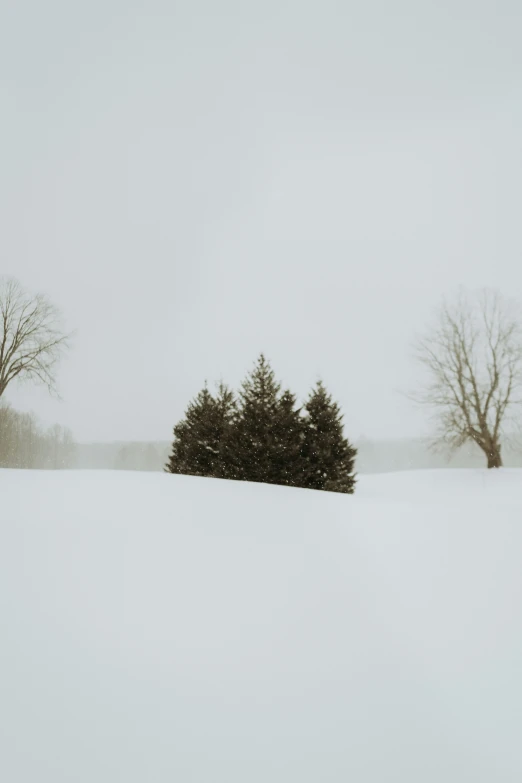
{"points": [[328, 457], [288, 434], [225, 414], [264, 438], [199, 437], [265, 441]]}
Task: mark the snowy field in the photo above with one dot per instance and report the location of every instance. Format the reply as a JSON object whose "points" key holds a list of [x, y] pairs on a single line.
{"points": [[165, 629]]}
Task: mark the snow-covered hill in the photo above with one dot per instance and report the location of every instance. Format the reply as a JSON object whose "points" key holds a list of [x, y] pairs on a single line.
{"points": [[160, 628]]}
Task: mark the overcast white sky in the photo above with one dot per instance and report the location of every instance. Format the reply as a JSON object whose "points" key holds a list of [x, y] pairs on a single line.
{"points": [[196, 182]]}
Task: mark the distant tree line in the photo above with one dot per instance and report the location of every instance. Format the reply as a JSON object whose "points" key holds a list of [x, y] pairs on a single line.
{"points": [[24, 444], [137, 456], [261, 435]]}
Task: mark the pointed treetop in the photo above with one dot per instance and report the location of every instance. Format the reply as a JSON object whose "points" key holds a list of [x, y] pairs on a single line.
{"points": [[260, 383]]}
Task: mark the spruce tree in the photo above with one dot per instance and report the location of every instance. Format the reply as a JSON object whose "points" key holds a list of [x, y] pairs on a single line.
{"points": [[265, 440], [199, 437], [224, 419], [327, 456], [287, 433]]}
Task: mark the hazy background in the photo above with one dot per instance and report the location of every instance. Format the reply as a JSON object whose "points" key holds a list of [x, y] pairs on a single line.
{"points": [[196, 182]]}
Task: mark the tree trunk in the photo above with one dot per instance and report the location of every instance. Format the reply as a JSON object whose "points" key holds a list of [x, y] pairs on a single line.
{"points": [[494, 457]]}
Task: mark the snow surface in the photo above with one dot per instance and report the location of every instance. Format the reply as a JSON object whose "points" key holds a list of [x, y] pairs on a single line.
{"points": [[161, 628]]}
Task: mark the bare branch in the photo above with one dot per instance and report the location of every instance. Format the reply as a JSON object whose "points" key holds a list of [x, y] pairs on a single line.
{"points": [[32, 340], [473, 360]]}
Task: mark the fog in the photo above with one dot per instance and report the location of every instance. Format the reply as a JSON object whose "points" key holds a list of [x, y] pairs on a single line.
{"points": [[193, 183]]}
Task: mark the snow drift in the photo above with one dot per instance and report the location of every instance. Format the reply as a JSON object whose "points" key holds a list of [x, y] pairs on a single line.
{"points": [[164, 628]]}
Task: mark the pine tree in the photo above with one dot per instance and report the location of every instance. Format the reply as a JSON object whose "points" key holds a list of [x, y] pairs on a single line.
{"points": [[225, 414], [328, 457], [265, 441], [264, 438], [287, 431], [199, 437]]}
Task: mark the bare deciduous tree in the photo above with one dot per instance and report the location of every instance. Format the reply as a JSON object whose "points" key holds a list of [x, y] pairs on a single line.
{"points": [[474, 362], [31, 336]]}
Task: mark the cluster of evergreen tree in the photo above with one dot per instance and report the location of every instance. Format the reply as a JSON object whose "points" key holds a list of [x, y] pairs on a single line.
{"points": [[262, 436]]}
